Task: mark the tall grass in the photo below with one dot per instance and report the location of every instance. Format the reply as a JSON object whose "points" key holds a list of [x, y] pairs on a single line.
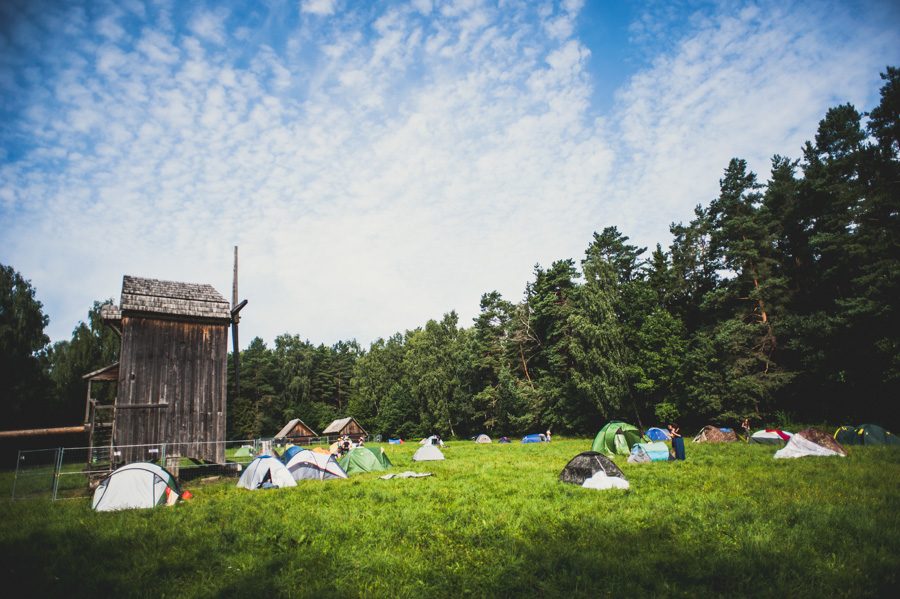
{"points": [[492, 521]]}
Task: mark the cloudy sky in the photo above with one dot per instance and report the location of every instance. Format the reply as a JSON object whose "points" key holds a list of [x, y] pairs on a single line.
{"points": [[382, 163]]}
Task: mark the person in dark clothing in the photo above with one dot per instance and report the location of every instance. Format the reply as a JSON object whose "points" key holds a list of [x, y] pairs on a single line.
{"points": [[677, 441]]}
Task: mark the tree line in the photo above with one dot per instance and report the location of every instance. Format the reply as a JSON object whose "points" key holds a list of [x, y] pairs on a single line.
{"points": [[777, 301]]}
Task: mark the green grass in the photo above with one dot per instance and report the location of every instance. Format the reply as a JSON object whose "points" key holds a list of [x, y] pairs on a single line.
{"points": [[493, 521]]}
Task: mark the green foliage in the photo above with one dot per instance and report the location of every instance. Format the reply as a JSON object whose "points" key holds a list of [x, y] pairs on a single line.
{"points": [[93, 346], [23, 379], [666, 412]]}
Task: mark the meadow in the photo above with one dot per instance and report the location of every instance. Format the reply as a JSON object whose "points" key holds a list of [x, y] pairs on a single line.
{"points": [[493, 520]]}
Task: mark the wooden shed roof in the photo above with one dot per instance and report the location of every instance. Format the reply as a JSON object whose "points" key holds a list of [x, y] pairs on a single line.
{"points": [[338, 425], [107, 373], [197, 300], [290, 426]]}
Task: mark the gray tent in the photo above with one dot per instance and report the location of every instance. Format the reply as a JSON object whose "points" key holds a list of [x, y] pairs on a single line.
{"points": [[428, 453], [482, 439], [138, 485], [585, 465]]}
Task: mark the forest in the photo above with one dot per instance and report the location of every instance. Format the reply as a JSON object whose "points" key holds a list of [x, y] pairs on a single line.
{"points": [[777, 301]]}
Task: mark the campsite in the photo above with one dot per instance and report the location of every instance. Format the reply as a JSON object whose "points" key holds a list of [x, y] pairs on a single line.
{"points": [[493, 520], [553, 299]]}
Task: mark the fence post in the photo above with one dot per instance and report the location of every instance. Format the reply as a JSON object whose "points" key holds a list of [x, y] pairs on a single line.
{"points": [[16, 477], [56, 471]]}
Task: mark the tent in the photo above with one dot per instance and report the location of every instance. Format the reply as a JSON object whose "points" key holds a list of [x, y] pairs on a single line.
{"points": [[585, 465], [266, 469], [364, 459], [655, 433], [137, 485], [482, 439], [811, 442], [245, 451], [617, 438], [309, 465], [290, 452], [770, 436], [711, 434], [504, 440], [428, 453], [534, 438], [865, 434], [395, 441], [656, 451], [846, 435]]}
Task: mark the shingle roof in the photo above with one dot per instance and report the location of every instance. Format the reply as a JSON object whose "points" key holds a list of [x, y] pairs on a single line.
{"points": [[168, 297], [338, 425], [290, 426]]}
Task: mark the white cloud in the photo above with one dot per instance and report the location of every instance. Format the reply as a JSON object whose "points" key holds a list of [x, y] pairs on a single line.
{"points": [[210, 26], [374, 181], [318, 7]]}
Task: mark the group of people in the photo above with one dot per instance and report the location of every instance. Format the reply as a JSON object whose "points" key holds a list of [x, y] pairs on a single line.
{"points": [[345, 443]]}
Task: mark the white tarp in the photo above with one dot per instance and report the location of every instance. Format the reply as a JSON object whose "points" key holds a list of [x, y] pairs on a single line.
{"points": [[309, 465], [600, 481], [432, 440], [256, 471], [799, 447], [428, 453], [138, 485]]}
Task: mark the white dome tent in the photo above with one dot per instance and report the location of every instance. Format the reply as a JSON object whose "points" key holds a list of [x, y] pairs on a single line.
{"points": [[428, 453], [309, 465], [137, 485], [265, 469]]}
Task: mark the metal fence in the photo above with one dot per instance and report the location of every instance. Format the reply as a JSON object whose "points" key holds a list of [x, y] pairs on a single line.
{"points": [[72, 472]]}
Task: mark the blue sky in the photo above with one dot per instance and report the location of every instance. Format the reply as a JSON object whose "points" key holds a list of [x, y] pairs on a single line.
{"points": [[380, 164]]}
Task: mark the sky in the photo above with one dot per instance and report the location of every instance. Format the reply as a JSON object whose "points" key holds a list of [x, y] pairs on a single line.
{"points": [[382, 163]]}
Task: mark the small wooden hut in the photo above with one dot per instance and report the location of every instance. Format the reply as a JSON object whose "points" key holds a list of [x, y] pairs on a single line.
{"points": [[171, 369], [296, 431], [345, 426]]}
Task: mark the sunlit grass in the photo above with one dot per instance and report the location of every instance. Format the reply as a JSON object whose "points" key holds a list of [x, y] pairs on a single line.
{"points": [[492, 521]]}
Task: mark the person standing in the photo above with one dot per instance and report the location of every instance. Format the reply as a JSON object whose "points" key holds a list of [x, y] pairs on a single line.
{"points": [[746, 426], [677, 441]]}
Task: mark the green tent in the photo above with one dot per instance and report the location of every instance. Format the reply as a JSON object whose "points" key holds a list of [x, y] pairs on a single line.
{"points": [[865, 434], [617, 438], [846, 435], [364, 459]]}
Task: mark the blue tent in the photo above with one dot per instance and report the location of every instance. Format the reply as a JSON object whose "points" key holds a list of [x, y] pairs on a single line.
{"points": [[657, 434], [395, 441], [536, 438], [649, 452], [290, 452]]}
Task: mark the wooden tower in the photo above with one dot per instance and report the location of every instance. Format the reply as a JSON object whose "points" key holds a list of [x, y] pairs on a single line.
{"points": [[172, 369]]}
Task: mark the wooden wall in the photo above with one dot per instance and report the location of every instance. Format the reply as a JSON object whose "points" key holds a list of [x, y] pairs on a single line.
{"points": [[352, 429], [300, 432], [172, 378]]}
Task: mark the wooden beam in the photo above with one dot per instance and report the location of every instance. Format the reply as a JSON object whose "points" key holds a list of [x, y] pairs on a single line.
{"points": [[35, 432]]}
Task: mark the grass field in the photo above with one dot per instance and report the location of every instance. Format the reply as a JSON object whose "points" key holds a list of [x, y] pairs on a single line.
{"points": [[492, 521]]}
